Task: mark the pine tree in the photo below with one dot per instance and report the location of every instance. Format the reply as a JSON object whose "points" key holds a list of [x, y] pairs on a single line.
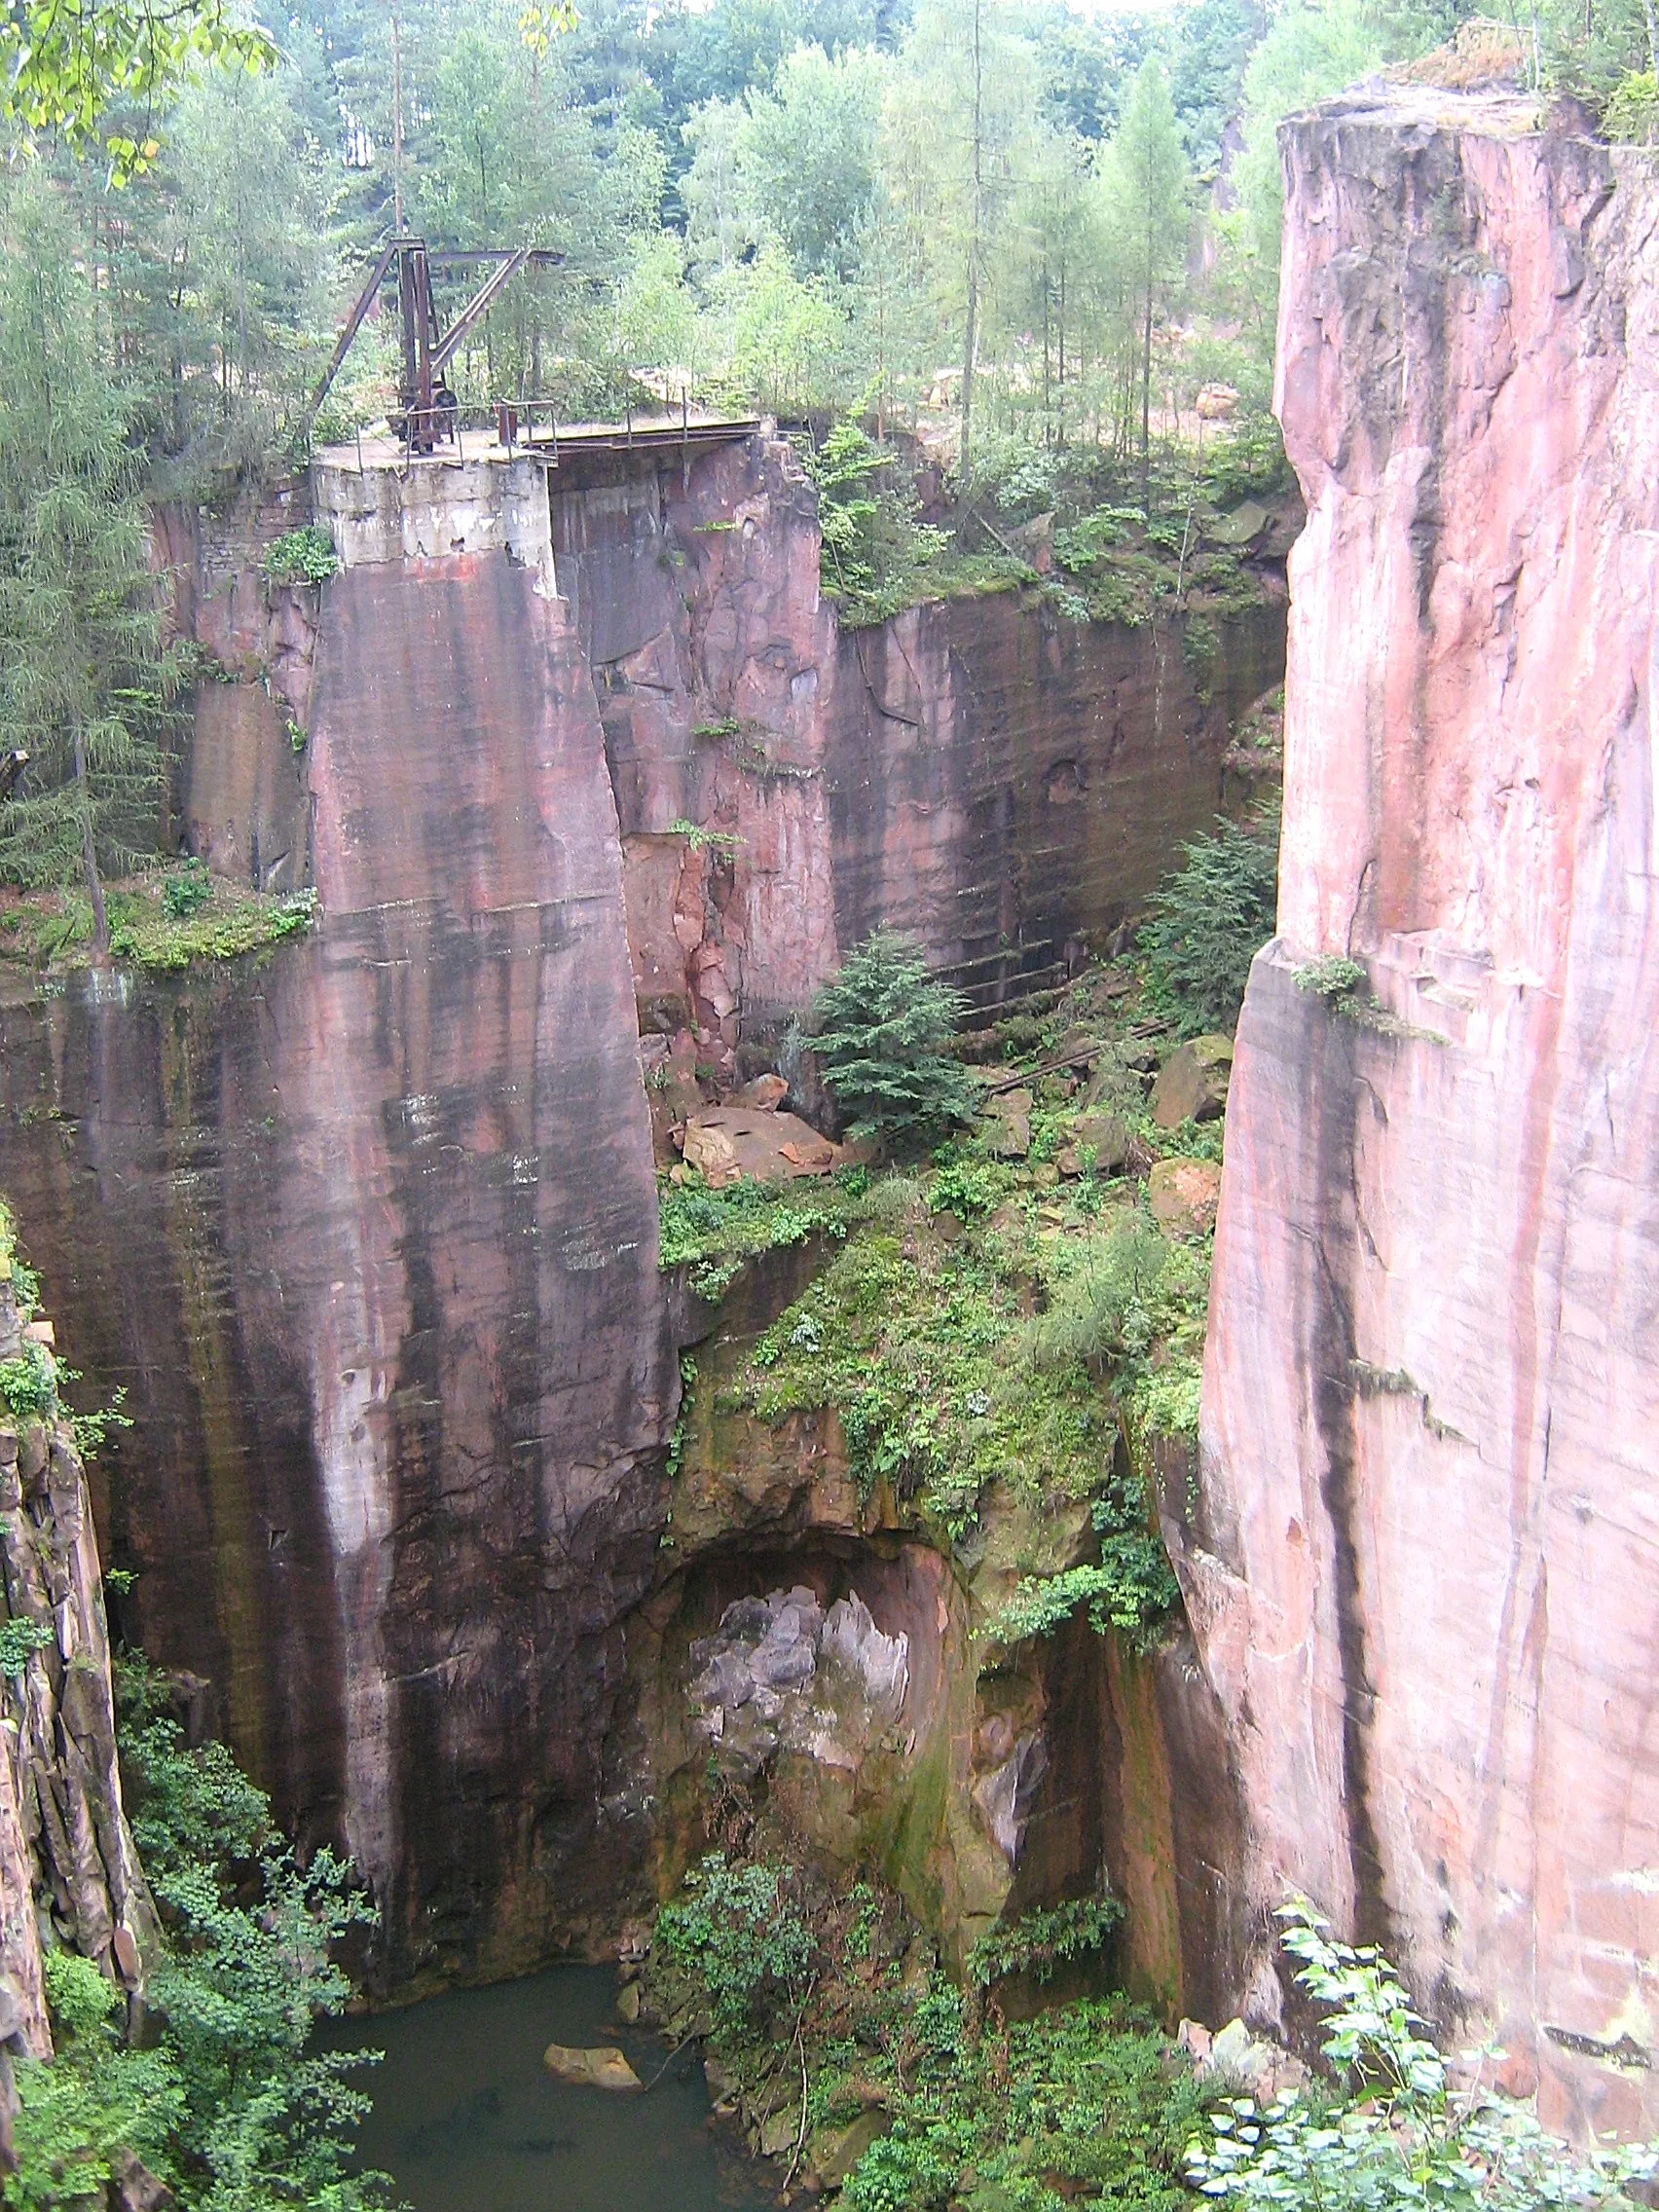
{"points": [[880, 1033], [84, 680], [1210, 919], [1147, 176]]}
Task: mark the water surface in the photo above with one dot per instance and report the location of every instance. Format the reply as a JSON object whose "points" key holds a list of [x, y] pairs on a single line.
{"points": [[467, 2119]]}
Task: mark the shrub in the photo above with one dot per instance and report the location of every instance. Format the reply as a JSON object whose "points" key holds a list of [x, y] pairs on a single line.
{"points": [[1633, 111], [1131, 1590], [301, 557], [80, 1998], [1208, 921], [712, 1232], [19, 1640], [1329, 977], [736, 1931], [1040, 1941], [1100, 1310], [880, 1033], [29, 1383], [1397, 2134], [187, 889]]}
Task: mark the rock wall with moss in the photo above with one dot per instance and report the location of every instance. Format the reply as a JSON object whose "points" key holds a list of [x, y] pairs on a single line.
{"points": [[68, 1868]]}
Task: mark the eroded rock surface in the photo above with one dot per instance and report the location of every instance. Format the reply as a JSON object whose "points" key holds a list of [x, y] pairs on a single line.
{"points": [[68, 1870], [781, 1672], [1421, 1568]]}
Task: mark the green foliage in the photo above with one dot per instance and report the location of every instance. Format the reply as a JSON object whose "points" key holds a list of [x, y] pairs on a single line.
{"points": [[186, 890], [1329, 977], [19, 1640], [877, 556], [72, 69], [969, 1184], [1632, 113], [713, 1233], [80, 2113], [905, 2169], [1131, 1589], [229, 922], [1208, 920], [880, 1034], [918, 1348], [84, 681], [721, 842], [1152, 193], [303, 556], [1104, 1295], [1083, 2101], [28, 1384], [234, 2109], [1041, 1941], [738, 1932], [81, 2000], [1397, 2134]]}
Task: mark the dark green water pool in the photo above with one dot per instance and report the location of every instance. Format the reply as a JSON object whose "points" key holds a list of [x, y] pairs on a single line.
{"points": [[467, 2119]]}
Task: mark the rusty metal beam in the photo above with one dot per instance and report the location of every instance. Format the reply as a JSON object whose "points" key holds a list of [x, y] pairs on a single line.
{"points": [[354, 323]]}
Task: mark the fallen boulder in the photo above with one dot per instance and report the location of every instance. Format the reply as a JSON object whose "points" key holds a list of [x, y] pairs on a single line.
{"points": [[602, 2068], [726, 1143], [1192, 1084], [1182, 1195]]}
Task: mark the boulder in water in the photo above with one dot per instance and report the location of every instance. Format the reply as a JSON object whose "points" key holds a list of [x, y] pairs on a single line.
{"points": [[602, 2068]]}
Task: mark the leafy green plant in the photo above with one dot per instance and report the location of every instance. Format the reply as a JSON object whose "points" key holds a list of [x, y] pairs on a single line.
{"points": [[19, 1640], [303, 556], [722, 844], [227, 924], [1329, 977], [736, 1928], [1103, 1297], [80, 1998], [1041, 1941], [1632, 112], [969, 1184], [234, 2110], [879, 1032], [1208, 920], [712, 1232], [187, 889], [92, 1429], [1396, 2134], [1131, 1589], [877, 556], [28, 1384]]}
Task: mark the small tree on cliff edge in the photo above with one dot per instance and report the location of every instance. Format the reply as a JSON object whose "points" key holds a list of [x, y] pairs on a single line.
{"points": [[83, 677], [880, 1033]]}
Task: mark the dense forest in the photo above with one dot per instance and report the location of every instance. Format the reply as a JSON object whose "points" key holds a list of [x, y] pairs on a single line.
{"points": [[1046, 243]]}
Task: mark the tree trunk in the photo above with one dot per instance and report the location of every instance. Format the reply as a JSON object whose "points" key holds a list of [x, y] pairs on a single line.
{"points": [[1146, 406], [88, 854]]}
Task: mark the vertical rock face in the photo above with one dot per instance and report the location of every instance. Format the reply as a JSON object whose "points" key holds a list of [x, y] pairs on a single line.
{"points": [[984, 773], [1003, 779], [695, 592], [371, 1235], [1421, 1567], [66, 1856]]}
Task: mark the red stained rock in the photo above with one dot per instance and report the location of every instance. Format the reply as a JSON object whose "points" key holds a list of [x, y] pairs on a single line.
{"points": [[727, 1143], [1182, 1194], [1421, 1568]]}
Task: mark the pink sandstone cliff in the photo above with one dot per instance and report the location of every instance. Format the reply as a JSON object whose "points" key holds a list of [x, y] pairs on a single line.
{"points": [[1421, 1566]]}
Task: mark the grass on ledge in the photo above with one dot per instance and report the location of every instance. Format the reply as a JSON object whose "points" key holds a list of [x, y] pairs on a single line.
{"points": [[52, 930]]}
